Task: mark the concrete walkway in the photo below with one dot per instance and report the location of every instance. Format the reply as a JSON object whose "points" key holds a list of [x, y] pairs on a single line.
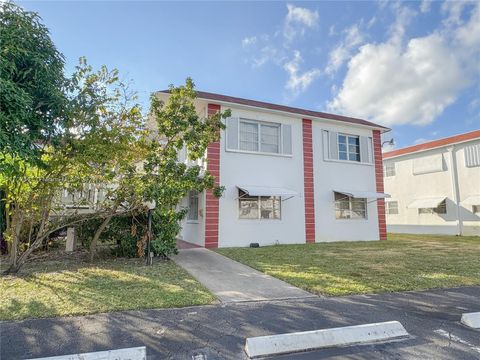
{"points": [[231, 281]]}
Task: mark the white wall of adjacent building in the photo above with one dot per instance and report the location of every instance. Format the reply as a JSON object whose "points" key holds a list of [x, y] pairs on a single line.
{"points": [[436, 180]]}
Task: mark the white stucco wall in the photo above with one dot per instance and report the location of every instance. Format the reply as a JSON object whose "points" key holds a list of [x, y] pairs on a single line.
{"points": [[262, 170], [341, 175], [405, 187], [287, 172]]}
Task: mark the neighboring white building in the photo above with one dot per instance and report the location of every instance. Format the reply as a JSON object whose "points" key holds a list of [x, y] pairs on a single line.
{"points": [[435, 186], [290, 176]]}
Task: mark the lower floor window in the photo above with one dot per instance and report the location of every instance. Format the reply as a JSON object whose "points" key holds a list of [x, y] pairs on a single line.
{"points": [[476, 209], [440, 209], [392, 207], [258, 207], [347, 207]]}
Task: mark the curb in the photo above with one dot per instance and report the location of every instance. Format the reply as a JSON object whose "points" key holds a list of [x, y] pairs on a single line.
{"points": [[309, 340], [135, 353], [471, 320]]}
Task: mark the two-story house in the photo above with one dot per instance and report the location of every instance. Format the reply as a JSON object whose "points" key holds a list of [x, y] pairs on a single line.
{"points": [[435, 186], [290, 176]]}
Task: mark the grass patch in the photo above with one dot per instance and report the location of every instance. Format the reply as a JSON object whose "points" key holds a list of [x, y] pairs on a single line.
{"points": [[402, 263], [59, 288]]}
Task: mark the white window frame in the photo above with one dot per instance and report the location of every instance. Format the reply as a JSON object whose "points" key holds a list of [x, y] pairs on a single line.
{"points": [[388, 209], [259, 199], [259, 132], [347, 136], [350, 201], [191, 195], [389, 169]]}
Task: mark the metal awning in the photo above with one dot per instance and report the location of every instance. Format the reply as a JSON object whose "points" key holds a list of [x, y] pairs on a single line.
{"points": [[267, 191], [472, 200], [429, 203], [363, 194]]}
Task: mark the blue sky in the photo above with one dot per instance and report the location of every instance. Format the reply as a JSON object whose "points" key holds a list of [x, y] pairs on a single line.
{"points": [[413, 66]]}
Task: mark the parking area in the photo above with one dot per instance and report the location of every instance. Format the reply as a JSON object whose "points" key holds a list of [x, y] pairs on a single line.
{"points": [[218, 331]]}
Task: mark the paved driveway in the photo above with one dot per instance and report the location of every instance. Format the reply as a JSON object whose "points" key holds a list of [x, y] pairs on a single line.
{"points": [[231, 281], [218, 332]]}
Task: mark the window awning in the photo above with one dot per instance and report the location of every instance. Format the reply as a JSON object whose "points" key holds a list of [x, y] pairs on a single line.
{"points": [[267, 191], [363, 194], [472, 200], [429, 203]]}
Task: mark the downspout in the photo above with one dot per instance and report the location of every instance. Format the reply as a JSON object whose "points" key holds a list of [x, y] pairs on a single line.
{"points": [[455, 188]]}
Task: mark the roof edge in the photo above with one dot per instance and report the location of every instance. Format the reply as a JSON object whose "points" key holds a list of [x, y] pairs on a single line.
{"points": [[283, 108], [434, 144]]}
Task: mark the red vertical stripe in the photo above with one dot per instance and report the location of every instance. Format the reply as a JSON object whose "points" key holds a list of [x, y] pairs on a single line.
{"points": [[377, 146], [212, 202], [308, 181]]}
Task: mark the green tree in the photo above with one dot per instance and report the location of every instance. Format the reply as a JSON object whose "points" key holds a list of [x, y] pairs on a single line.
{"points": [[177, 126], [32, 100], [100, 145]]}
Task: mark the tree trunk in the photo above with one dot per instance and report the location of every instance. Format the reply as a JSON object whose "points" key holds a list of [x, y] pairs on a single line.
{"points": [[93, 244]]}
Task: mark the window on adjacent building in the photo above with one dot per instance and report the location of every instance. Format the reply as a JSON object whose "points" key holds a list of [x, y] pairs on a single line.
{"points": [[392, 207], [347, 207], [389, 169], [440, 209], [472, 155], [476, 209], [192, 206], [348, 147], [258, 207], [259, 137]]}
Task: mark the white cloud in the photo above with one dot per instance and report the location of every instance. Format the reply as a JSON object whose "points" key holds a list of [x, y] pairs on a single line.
{"points": [[469, 34], [297, 20], [420, 141], [409, 81], [371, 22], [266, 54], [343, 50], [298, 82], [249, 41], [454, 10], [403, 16], [425, 6]]}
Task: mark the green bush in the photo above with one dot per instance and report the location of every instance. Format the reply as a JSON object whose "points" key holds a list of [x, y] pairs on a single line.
{"points": [[123, 234], [165, 228], [128, 234]]}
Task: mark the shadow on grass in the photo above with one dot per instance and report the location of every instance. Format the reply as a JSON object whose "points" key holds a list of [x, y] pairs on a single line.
{"points": [[99, 289]]}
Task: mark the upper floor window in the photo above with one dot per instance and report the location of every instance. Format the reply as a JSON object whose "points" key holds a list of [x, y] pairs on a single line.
{"points": [[440, 209], [345, 147], [258, 207], [389, 169], [347, 207], [392, 207], [192, 206], [348, 147], [257, 136]]}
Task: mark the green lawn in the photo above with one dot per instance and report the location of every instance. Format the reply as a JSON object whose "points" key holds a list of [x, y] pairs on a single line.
{"points": [[403, 262], [59, 288]]}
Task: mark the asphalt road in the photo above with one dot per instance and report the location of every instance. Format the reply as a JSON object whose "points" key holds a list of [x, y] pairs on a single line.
{"points": [[219, 331]]}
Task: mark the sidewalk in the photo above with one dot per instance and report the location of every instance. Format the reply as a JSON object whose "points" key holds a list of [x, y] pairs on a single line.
{"points": [[231, 281]]}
